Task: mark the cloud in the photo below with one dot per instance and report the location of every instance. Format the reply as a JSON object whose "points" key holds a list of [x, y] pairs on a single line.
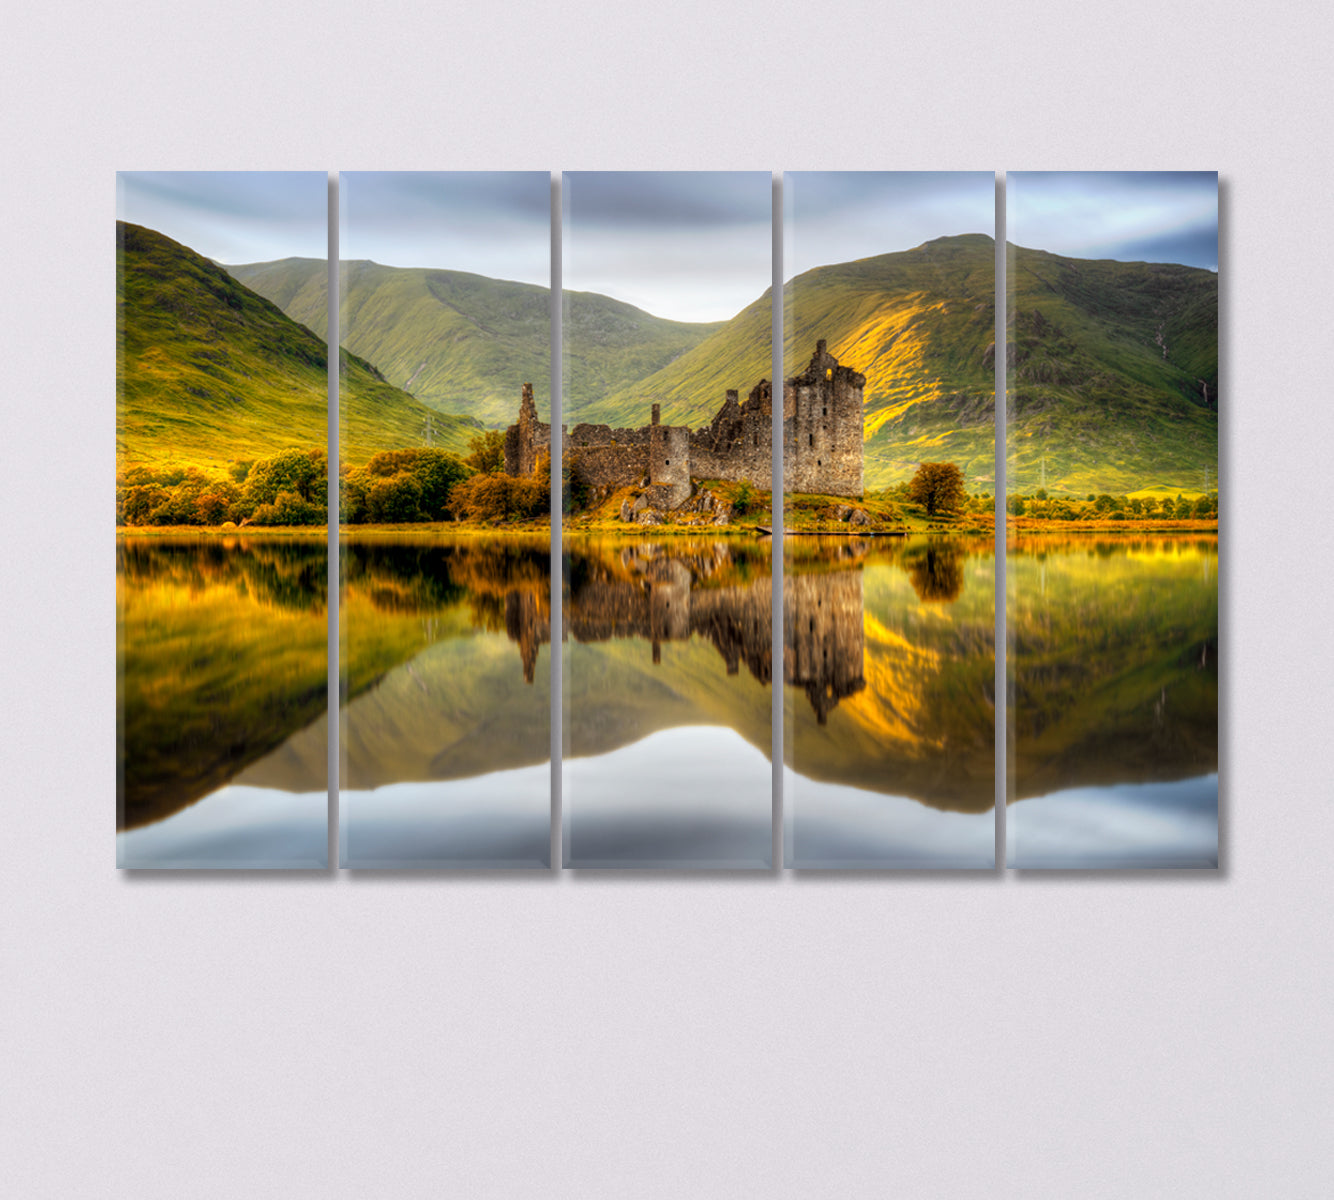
{"points": [[841, 216], [494, 223], [231, 216], [689, 245], [1131, 216]]}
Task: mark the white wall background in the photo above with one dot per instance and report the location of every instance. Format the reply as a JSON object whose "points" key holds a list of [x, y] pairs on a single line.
{"points": [[899, 1035]]}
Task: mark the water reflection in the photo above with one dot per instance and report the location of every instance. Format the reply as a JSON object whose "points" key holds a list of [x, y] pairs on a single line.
{"points": [[1114, 682], [445, 725], [221, 659], [891, 756], [895, 677]]}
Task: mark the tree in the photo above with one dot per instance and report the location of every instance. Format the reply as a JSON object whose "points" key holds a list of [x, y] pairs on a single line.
{"points": [[937, 487], [487, 452], [303, 472]]}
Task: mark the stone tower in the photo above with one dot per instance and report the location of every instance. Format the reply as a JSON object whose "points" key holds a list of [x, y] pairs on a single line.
{"points": [[526, 439], [668, 463], [822, 428]]}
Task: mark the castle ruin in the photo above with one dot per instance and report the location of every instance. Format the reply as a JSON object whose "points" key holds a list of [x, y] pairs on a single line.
{"points": [[822, 441]]}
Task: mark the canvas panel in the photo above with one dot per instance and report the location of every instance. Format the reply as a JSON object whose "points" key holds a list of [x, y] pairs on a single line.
{"points": [[889, 555], [221, 546], [667, 449], [1112, 526], [445, 538]]}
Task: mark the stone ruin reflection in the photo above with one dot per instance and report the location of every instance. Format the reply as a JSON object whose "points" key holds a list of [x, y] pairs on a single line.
{"points": [[824, 639], [668, 594]]}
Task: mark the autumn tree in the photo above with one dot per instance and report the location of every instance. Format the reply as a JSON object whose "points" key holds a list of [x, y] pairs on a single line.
{"points": [[937, 487], [486, 452]]}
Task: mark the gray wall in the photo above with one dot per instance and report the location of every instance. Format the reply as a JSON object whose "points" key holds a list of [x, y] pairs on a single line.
{"points": [[418, 1035]]}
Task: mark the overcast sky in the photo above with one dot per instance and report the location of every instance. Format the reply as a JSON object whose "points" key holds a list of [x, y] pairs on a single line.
{"points": [[495, 223], [232, 216], [841, 216], [1132, 216], [690, 245]]}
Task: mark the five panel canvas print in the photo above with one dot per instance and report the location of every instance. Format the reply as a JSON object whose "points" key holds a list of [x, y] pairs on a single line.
{"points": [[654, 448]]}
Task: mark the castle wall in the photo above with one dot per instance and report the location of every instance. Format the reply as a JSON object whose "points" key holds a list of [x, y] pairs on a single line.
{"points": [[738, 444], [609, 457]]}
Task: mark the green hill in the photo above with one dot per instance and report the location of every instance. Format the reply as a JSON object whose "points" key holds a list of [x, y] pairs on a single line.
{"points": [[210, 372], [1113, 374], [465, 344]]}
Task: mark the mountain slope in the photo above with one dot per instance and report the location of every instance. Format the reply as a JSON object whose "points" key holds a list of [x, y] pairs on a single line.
{"points": [[465, 344], [1113, 374], [209, 372]]}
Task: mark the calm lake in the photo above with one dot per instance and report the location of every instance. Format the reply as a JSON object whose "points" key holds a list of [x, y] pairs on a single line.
{"points": [[222, 670], [1113, 721], [445, 734], [889, 741]]}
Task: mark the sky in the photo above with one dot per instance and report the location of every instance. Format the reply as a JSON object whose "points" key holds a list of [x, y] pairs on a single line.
{"points": [[495, 223], [231, 216], [688, 245], [841, 216], [1131, 216]]}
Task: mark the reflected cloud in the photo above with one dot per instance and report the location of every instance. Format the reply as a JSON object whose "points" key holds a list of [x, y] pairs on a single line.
{"points": [[1124, 825]]}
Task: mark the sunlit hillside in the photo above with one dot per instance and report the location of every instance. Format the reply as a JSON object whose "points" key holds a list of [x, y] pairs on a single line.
{"points": [[209, 372]]}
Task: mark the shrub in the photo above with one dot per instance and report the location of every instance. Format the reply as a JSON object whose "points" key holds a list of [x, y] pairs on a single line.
{"points": [[501, 498]]}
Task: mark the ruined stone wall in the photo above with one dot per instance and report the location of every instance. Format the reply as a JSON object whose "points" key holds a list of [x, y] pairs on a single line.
{"points": [[823, 425], [608, 457], [738, 444]]}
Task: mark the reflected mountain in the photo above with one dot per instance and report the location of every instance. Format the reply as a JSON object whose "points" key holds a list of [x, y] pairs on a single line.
{"points": [[1113, 661], [221, 657], [440, 640], [915, 717]]}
